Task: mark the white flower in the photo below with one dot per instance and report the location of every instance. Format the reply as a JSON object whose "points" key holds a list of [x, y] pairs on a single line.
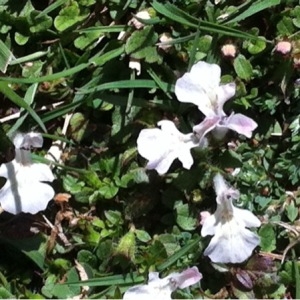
{"points": [[24, 190], [232, 242], [162, 288], [162, 146], [201, 86]]}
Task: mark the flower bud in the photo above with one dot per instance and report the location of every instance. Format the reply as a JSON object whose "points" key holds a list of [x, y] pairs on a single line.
{"points": [[144, 14], [164, 39], [283, 47], [229, 50]]}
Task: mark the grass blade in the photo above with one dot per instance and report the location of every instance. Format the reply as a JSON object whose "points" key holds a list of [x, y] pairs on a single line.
{"points": [[15, 98], [252, 9], [6, 57], [129, 84]]}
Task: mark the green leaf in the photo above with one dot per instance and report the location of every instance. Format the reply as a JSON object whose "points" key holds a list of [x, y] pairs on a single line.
{"points": [[297, 274], [243, 67], [256, 46], [142, 235], [85, 256], [21, 39], [40, 24], [34, 248], [140, 40], [72, 184], [78, 126], [262, 201], [5, 294], [53, 289], [184, 218], [87, 39], [69, 16], [285, 26], [114, 217], [108, 189], [51, 7], [267, 238], [291, 211], [231, 159]]}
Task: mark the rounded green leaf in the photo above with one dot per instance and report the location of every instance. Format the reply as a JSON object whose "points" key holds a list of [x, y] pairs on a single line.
{"points": [[243, 67]]}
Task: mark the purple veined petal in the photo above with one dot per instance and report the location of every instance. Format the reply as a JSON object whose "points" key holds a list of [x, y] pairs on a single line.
{"points": [[241, 124], [32, 140], [225, 92], [28, 140], [207, 125], [187, 277]]}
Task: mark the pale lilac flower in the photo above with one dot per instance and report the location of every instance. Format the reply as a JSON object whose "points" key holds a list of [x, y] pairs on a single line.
{"points": [[162, 146], [201, 86], [24, 190], [232, 242], [158, 288]]}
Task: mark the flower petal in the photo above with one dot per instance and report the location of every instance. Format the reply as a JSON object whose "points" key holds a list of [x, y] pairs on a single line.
{"points": [[225, 92], [241, 124], [247, 217], [186, 278], [152, 144], [220, 184], [185, 156], [162, 165], [209, 226], [28, 140], [168, 127], [200, 86], [40, 172], [234, 244], [207, 125], [32, 139], [156, 288], [25, 197], [162, 146]]}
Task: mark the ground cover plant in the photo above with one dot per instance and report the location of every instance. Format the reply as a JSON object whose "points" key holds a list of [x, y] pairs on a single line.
{"points": [[149, 149]]}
